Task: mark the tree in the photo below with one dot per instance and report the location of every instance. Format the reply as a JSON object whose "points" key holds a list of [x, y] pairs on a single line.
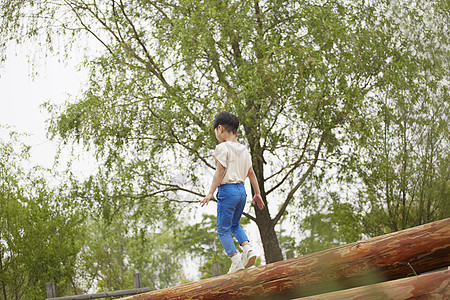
{"points": [[39, 230], [296, 73], [47, 235], [405, 167], [122, 240], [403, 156], [114, 250], [397, 161]]}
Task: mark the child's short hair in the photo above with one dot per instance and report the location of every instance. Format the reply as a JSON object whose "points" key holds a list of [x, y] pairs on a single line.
{"points": [[229, 121]]}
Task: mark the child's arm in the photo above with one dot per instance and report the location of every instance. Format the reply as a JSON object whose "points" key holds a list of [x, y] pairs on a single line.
{"points": [[218, 176], [257, 199]]}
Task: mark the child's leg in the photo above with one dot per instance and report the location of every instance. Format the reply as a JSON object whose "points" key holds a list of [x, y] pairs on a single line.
{"points": [[225, 212], [248, 256], [224, 216], [236, 228], [226, 208]]}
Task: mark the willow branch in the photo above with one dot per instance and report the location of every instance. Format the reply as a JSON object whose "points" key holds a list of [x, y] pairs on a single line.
{"points": [[296, 164], [301, 181]]}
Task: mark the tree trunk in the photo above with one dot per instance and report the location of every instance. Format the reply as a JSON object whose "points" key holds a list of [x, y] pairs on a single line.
{"points": [[271, 246], [429, 286], [388, 257], [266, 226]]}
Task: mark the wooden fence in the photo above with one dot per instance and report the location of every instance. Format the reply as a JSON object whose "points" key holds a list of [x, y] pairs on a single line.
{"points": [[137, 283]]}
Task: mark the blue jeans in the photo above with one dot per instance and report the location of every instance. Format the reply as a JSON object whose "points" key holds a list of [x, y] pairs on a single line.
{"points": [[231, 202]]}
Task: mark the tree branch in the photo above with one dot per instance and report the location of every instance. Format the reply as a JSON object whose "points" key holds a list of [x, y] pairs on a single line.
{"points": [[152, 3], [301, 181], [178, 188], [190, 149], [85, 27], [249, 216], [274, 122], [149, 65], [296, 164], [179, 142], [154, 66]]}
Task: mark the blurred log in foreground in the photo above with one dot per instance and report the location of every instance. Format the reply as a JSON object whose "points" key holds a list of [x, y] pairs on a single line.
{"points": [[432, 286], [388, 257]]}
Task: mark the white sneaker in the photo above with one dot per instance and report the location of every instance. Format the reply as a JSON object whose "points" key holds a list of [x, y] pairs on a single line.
{"points": [[236, 266], [248, 258]]}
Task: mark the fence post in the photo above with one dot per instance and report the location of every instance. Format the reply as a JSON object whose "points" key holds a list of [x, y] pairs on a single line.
{"points": [[216, 270], [290, 254], [51, 289], [137, 282]]}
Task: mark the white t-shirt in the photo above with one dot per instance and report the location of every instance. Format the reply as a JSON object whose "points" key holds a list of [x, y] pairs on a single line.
{"points": [[236, 159]]}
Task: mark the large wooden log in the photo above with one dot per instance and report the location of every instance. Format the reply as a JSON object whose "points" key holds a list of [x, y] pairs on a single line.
{"points": [[431, 286], [388, 257]]}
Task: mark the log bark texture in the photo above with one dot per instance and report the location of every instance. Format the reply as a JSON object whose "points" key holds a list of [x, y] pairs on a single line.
{"points": [[431, 286], [423, 248]]}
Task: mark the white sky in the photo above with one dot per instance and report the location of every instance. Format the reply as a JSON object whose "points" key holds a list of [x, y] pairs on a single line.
{"points": [[22, 94]]}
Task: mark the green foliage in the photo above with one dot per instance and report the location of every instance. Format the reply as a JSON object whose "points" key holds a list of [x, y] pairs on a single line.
{"points": [[340, 226], [201, 241], [405, 163], [394, 159], [292, 72], [114, 251], [352, 92], [127, 233], [402, 149], [327, 220], [39, 229]]}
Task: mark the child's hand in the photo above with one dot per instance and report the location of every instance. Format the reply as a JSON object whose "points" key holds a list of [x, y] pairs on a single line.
{"points": [[206, 200], [259, 201]]}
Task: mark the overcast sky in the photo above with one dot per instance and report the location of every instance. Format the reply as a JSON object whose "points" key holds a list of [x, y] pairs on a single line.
{"points": [[22, 94]]}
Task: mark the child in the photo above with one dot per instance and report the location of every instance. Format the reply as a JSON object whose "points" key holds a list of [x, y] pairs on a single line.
{"points": [[233, 165]]}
